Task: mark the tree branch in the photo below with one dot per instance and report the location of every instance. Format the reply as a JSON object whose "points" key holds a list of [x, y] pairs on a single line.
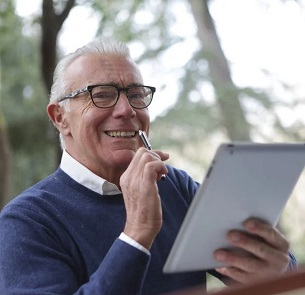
{"points": [[227, 93], [62, 17]]}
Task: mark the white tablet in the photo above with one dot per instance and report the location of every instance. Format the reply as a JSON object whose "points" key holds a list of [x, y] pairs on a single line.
{"points": [[244, 180]]}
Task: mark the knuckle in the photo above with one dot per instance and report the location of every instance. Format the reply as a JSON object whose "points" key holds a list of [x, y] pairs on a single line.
{"points": [[263, 250], [252, 265]]}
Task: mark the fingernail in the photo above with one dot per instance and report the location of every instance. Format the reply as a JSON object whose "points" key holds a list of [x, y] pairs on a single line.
{"points": [[220, 256], [235, 237], [250, 224]]}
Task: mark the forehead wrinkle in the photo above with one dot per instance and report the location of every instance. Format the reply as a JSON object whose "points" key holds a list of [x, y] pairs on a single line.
{"points": [[120, 70], [119, 85]]}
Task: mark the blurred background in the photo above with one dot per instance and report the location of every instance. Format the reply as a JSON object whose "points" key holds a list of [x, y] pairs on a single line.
{"points": [[224, 71]]}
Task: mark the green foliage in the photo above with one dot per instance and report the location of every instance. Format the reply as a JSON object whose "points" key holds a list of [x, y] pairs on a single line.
{"points": [[189, 130], [23, 100], [147, 23]]}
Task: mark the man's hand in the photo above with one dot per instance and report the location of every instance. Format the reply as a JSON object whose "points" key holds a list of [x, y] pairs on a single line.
{"points": [[267, 248], [141, 196]]}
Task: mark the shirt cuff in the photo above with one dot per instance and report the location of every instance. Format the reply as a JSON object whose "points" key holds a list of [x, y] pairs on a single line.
{"points": [[133, 243], [293, 264]]}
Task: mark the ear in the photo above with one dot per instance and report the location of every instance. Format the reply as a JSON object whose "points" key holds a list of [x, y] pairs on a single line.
{"points": [[58, 116]]}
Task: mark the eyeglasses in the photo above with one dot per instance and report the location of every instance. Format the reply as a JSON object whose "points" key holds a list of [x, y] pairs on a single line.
{"points": [[106, 96]]}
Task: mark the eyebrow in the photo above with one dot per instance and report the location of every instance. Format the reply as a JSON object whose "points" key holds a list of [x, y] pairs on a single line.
{"points": [[118, 85]]}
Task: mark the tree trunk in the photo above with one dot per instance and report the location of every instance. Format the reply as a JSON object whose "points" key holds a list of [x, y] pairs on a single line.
{"points": [[227, 93], [51, 23]]}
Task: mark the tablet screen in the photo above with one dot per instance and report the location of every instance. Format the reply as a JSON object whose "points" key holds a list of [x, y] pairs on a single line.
{"points": [[244, 180]]}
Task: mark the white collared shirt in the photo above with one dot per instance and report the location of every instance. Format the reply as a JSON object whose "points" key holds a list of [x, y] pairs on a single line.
{"points": [[84, 176]]}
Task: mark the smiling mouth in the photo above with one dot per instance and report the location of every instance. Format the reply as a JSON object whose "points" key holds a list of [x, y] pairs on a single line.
{"points": [[121, 134]]}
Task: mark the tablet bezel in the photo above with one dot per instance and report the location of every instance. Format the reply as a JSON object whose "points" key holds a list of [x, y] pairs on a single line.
{"points": [[229, 195]]}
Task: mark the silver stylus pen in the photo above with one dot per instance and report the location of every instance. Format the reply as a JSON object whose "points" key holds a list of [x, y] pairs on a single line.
{"points": [[147, 145]]}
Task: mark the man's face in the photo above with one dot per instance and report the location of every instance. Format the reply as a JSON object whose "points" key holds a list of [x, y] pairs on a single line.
{"points": [[99, 138]]}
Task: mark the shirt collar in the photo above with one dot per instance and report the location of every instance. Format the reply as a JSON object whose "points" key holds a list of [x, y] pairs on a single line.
{"points": [[84, 176]]}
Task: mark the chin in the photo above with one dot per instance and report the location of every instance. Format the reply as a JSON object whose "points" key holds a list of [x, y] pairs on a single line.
{"points": [[123, 156]]}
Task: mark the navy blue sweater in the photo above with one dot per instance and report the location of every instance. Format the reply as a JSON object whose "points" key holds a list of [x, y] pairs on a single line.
{"points": [[59, 237]]}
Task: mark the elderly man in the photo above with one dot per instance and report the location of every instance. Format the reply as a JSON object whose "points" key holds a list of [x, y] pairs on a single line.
{"points": [[103, 223]]}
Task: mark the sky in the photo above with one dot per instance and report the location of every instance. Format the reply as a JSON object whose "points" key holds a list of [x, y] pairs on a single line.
{"points": [[257, 36]]}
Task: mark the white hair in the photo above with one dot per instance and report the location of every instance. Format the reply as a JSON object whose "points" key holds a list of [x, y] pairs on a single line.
{"points": [[100, 46]]}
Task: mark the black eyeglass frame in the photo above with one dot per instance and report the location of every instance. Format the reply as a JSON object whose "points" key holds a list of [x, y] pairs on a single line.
{"points": [[89, 89]]}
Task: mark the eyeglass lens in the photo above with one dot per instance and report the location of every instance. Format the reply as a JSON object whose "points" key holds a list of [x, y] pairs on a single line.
{"points": [[107, 96]]}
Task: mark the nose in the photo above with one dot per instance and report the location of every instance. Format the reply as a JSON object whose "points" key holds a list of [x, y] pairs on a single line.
{"points": [[123, 107]]}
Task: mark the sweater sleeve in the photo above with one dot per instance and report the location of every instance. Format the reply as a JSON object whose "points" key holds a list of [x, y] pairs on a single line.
{"points": [[33, 261], [121, 272]]}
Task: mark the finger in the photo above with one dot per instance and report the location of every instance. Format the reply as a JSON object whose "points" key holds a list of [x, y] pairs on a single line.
{"points": [[163, 156], [271, 235], [238, 275], [145, 166], [244, 268], [275, 258], [141, 158], [154, 169], [240, 259], [156, 154]]}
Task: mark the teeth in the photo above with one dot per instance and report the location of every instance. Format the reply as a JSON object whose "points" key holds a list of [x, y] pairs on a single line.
{"points": [[121, 133]]}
